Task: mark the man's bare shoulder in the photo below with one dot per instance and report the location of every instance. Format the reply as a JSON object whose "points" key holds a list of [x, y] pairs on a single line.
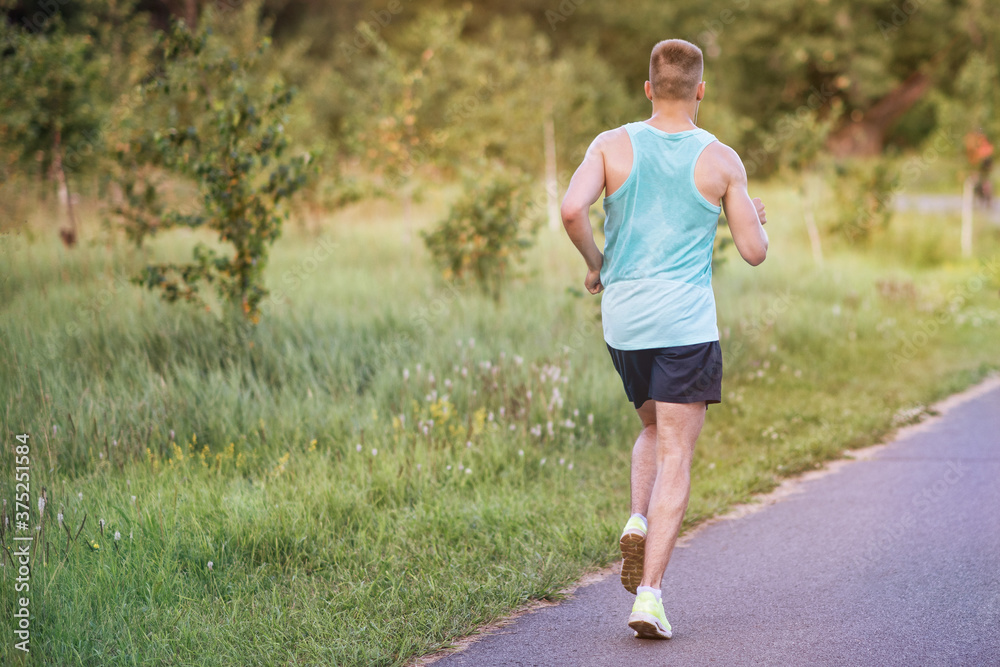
{"points": [[611, 141], [722, 157]]}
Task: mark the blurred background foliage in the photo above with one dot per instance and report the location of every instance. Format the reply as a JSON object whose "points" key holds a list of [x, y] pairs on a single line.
{"points": [[394, 95]]}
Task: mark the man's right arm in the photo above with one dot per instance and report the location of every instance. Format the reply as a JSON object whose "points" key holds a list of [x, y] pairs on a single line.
{"points": [[746, 216]]}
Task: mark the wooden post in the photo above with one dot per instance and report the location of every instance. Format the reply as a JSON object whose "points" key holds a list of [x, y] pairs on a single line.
{"points": [[811, 228], [551, 178], [967, 200]]}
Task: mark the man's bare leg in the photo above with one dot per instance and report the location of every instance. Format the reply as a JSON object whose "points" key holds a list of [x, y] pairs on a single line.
{"points": [[644, 459], [677, 428], [633, 539]]}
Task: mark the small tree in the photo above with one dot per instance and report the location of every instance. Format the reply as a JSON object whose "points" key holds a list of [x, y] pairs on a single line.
{"points": [[222, 130], [51, 97], [487, 230]]}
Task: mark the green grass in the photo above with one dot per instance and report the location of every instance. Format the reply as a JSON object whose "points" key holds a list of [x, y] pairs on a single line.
{"points": [[323, 554]]}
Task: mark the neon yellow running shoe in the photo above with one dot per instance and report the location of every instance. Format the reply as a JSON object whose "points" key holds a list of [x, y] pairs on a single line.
{"points": [[648, 618], [633, 546]]}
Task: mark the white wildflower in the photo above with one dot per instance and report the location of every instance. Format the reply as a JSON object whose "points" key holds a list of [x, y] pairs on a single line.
{"points": [[209, 566], [41, 504], [406, 374], [374, 452], [489, 417], [358, 447], [472, 342], [118, 536], [468, 444], [520, 452], [590, 419], [542, 462], [570, 466], [468, 471], [518, 360]]}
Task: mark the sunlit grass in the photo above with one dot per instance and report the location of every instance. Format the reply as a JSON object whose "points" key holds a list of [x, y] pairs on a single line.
{"points": [[385, 463]]}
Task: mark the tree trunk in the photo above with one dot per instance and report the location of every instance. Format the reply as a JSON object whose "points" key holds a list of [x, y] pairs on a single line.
{"points": [[866, 136], [67, 234], [551, 178]]}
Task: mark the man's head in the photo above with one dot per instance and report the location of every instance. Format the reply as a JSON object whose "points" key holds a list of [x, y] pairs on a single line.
{"points": [[675, 71]]}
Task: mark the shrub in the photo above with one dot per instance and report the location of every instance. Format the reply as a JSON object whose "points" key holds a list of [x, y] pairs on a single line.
{"points": [[486, 231], [223, 130]]}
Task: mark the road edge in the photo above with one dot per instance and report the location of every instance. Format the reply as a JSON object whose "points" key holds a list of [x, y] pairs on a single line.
{"points": [[787, 487]]}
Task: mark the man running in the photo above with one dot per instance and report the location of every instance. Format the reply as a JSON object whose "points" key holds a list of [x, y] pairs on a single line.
{"points": [[663, 181]]}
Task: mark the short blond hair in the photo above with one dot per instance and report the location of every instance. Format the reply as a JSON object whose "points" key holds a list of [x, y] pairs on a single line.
{"points": [[675, 69]]}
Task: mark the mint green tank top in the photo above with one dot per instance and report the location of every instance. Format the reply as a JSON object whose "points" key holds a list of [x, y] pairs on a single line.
{"points": [[659, 235]]}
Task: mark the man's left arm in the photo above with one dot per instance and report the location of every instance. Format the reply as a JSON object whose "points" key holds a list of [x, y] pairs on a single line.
{"points": [[584, 189]]}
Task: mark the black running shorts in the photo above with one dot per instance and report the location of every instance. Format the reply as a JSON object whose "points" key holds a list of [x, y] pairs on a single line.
{"points": [[682, 374]]}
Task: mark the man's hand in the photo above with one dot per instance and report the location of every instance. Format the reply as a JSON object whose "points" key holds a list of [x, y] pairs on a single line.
{"points": [[593, 280], [759, 205]]}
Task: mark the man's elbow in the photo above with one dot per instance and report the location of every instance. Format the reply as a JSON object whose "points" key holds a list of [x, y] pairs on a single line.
{"points": [[757, 257], [571, 211]]}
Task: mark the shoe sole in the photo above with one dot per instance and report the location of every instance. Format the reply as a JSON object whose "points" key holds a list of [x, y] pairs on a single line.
{"points": [[647, 626], [633, 546]]}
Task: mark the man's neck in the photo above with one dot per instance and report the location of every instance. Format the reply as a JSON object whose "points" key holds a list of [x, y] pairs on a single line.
{"points": [[674, 116]]}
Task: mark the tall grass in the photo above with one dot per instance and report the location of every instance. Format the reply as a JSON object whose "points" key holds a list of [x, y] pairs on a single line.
{"points": [[385, 462]]}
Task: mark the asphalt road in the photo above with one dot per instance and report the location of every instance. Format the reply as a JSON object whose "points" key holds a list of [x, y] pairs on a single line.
{"points": [[891, 560]]}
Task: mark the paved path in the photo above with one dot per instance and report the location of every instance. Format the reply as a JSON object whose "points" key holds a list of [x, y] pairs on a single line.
{"points": [[892, 560], [930, 204]]}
